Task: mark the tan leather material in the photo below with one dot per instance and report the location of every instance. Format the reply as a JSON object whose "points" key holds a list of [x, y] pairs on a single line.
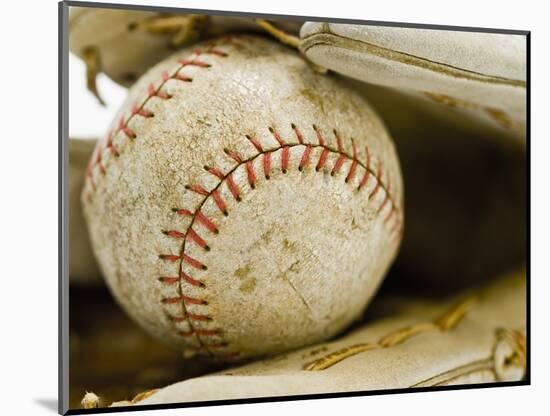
{"points": [[462, 186], [476, 337], [478, 76], [129, 42], [83, 268], [243, 204], [124, 53]]}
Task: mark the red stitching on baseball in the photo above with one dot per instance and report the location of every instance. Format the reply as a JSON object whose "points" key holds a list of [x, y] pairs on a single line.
{"points": [[214, 171], [194, 282], [184, 212], [210, 226], [193, 236], [285, 153], [277, 136], [386, 199], [220, 202], [179, 318], [252, 179], [342, 156], [111, 146], [267, 164], [99, 163], [101, 167], [181, 77], [182, 298], [322, 159], [233, 187], [195, 317], [139, 111], [378, 182], [169, 257], [338, 165], [298, 133], [255, 142], [251, 174], [353, 167], [125, 129], [201, 218], [154, 92], [319, 135], [107, 142], [194, 62], [367, 170], [212, 51], [233, 155], [198, 189], [305, 158], [174, 234], [200, 331], [192, 262], [338, 142], [169, 280], [190, 316]]}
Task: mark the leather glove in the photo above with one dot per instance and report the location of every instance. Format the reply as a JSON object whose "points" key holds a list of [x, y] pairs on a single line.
{"points": [[477, 77], [476, 337]]}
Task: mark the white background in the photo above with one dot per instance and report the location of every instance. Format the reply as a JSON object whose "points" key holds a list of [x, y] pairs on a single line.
{"points": [[28, 126]]}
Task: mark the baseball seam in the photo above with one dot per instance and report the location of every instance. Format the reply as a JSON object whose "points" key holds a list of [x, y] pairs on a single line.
{"points": [[139, 110], [197, 217], [447, 322], [107, 144], [96, 160]]}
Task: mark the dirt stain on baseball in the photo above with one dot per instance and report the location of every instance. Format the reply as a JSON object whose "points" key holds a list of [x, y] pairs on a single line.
{"points": [[313, 98], [290, 246], [248, 283]]}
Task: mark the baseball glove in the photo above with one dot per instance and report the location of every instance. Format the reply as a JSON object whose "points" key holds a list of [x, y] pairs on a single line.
{"points": [[476, 337], [480, 78], [455, 103], [123, 44]]}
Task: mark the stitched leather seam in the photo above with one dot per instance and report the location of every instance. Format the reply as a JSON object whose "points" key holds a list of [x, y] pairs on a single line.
{"points": [[457, 373], [444, 323], [139, 110], [326, 39], [191, 234], [96, 160]]}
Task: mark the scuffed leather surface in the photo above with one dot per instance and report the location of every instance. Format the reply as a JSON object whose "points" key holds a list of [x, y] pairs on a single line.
{"points": [[298, 259], [476, 350], [476, 76]]}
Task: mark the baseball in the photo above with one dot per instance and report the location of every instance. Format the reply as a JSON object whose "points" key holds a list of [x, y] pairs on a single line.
{"points": [[241, 203]]}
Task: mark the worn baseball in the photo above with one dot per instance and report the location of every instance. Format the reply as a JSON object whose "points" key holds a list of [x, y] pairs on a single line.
{"points": [[243, 204]]}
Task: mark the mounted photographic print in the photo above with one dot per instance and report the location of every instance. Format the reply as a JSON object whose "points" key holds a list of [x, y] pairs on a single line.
{"points": [[262, 208]]}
